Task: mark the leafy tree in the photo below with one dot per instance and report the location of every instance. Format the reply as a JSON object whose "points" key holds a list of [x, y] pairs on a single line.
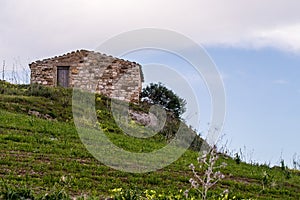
{"points": [[159, 94]]}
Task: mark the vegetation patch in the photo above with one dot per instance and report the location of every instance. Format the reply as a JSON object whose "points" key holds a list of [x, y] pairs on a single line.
{"points": [[45, 158]]}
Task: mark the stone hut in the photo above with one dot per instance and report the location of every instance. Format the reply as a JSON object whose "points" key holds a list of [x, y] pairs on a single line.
{"points": [[91, 71]]}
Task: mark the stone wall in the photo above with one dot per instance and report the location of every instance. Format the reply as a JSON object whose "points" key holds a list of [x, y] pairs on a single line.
{"points": [[93, 71]]}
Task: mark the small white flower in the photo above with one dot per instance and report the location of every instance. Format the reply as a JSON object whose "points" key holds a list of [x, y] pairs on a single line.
{"points": [[186, 193], [63, 179], [195, 184], [191, 166]]}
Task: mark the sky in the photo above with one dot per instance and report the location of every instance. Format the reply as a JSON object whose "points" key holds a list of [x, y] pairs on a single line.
{"points": [[255, 46]]}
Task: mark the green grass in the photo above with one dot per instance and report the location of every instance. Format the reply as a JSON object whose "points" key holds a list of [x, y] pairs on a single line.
{"points": [[42, 158], [37, 153]]}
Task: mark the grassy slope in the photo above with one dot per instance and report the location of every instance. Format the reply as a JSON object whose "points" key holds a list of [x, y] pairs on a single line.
{"points": [[48, 155]]}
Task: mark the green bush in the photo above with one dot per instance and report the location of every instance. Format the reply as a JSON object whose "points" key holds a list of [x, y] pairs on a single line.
{"points": [[161, 95]]}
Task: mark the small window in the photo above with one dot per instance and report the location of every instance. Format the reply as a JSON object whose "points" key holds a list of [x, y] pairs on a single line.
{"points": [[63, 76]]}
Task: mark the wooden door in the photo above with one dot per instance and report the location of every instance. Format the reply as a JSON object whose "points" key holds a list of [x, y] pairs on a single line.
{"points": [[63, 76]]}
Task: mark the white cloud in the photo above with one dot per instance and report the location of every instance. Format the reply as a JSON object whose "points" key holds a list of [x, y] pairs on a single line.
{"points": [[283, 37], [280, 82], [36, 29]]}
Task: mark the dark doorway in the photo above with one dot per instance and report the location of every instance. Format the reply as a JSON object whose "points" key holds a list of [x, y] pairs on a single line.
{"points": [[63, 76]]}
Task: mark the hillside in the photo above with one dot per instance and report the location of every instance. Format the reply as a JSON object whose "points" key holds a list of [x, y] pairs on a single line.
{"points": [[43, 156]]}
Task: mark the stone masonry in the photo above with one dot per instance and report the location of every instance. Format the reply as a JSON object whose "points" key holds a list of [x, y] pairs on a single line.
{"points": [[91, 71]]}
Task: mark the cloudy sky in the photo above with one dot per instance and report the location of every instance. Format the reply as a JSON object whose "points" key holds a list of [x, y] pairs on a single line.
{"points": [[254, 44]]}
